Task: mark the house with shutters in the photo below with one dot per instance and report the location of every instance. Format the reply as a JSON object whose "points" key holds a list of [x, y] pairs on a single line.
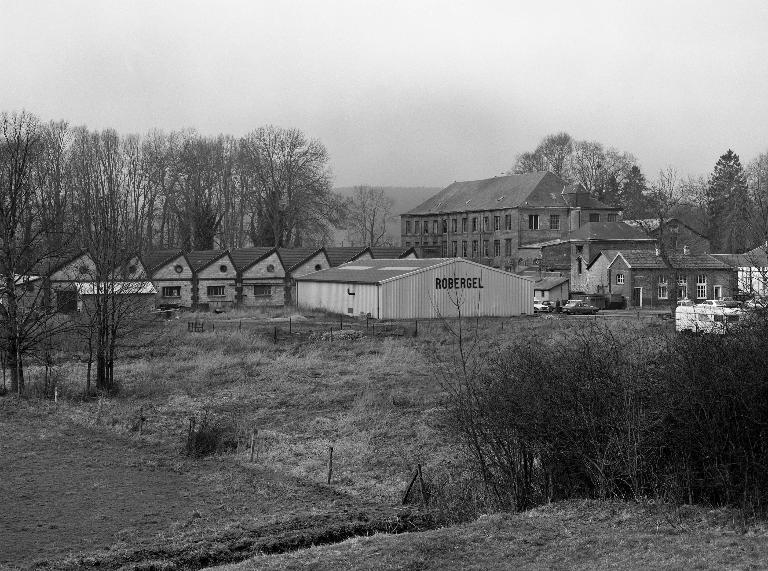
{"points": [[261, 277]]}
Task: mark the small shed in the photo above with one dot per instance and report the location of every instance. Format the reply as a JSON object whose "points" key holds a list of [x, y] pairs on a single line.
{"points": [[551, 289], [416, 288]]}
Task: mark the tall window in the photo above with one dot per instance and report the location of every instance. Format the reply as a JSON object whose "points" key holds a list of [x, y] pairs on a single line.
{"points": [[663, 287], [508, 247], [554, 222], [496, 248], [612, 217], [407, 226], [454, 224], [454, 248], [485, 248], [444, 249], [474, 224], [507, 222], [594, 217], [619, 278], [426, 227], [682, 287], [463, 248], [474, 248], [485, 223], [701, 286], [416, 227], [497, 223], [434, 227], [463, 224], [533, 222], [215, 291]]}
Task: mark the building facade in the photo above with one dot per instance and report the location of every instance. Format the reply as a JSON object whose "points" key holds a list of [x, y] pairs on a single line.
{"points": [[491, 221]]}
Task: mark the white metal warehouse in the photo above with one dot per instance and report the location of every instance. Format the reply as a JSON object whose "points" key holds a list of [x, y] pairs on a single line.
{"points": [[410, 289]]}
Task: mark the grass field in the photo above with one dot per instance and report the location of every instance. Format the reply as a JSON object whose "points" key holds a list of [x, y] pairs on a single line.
{"points": [[82, 488]]}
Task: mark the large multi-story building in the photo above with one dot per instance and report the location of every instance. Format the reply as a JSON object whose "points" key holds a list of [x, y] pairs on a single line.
{"points": [[492, 220]]}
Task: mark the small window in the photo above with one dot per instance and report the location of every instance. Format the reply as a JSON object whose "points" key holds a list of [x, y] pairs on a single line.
{"points": [[701, 286], [426, 227], [463, 248], [407, 244], [507, 222], [663, 288], [454, 248], [474, 248], [485, 223], [454, 224], [318, 267], [178, 268], [223, 268], [416, 227], [215, 291], [533, 222], [508, 247], [434, 227], [612, 217], [485, 248], [262, 291], [407, 226], [554, 222], [171, 291], [271, 268], [594, 217], [619, 279], [445, 226], [474, 224]]}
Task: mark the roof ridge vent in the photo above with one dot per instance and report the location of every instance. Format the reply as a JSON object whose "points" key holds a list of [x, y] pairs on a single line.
{"points": [[500, 198]]}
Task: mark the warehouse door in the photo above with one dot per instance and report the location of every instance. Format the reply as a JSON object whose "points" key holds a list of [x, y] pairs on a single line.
{"points": [[637, 297]]}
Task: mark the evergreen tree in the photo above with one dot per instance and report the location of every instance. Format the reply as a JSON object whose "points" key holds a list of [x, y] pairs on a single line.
{"points": [[729, 207], [632, 198]]}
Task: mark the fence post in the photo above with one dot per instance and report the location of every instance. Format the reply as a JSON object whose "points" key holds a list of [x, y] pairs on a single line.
{"points": [[341, 322], [416, 331], [290, 327], [213, 326], [253, 442], [275, 333], [141, 420], [240, 325], [330, 464]]}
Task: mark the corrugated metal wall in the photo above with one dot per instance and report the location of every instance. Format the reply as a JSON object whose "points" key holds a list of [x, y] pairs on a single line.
{"points": [[336, 297], [454, 287]]}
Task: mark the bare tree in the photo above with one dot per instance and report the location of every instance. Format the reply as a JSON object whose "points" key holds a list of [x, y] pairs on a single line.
{"points": [[367, 212], [599, 171]]}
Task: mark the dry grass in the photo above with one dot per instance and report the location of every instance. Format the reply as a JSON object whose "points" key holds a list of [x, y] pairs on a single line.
{"points": [[569, 535]]}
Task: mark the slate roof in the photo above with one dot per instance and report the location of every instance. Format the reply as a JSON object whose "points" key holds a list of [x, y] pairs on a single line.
{"points": [[338, 255], [244, 258], [608, 231], [153, 259], [51, 264], [292, 257], [394, 252], [652, 224], [372, 271], [647, 259], [200, 259], [755, 258], [534, 189], [609, 254]]}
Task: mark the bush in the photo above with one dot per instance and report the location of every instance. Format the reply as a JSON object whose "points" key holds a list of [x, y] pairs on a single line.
{"points": [[212, 436], [617, 413]]}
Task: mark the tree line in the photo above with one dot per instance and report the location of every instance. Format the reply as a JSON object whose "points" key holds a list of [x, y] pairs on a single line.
{"points": [[730, 206]]}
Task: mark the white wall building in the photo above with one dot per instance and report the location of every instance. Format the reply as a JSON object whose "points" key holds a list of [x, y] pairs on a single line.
{"points": [[416, 288]]}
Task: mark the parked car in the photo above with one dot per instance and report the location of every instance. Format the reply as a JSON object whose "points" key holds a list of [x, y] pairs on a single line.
{"points": [[543, 306], [578, 307], [729, 303]]}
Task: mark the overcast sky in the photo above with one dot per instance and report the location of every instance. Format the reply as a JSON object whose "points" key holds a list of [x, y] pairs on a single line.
{"points": [[411, 93]]}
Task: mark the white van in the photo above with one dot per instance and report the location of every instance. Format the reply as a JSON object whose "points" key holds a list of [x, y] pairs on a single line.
{"points": [[704, 318]]}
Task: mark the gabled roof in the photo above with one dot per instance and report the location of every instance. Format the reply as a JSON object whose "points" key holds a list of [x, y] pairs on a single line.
{"points": [[201, 259], [154, 259], [244, 258], [546, 284], [293, 257], [52, 264], [338, 255], [381, 252], [610, 255], [647, 259], [585, 200], [608, 231]]}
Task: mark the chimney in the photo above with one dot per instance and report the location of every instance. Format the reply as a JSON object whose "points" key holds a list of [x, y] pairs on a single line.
{"points": [[686, 250]]}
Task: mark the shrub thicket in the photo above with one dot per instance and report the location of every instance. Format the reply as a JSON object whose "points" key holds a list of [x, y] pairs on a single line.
{"points": [[612, 412]]}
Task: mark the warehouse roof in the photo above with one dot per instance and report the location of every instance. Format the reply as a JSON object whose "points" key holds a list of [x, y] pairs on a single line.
{"points": [[533, 189], [201, 259], [338, 255], [647, 259], [757, 258], [293, 257], [154, 259], [379, 271], [546, 284]]}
